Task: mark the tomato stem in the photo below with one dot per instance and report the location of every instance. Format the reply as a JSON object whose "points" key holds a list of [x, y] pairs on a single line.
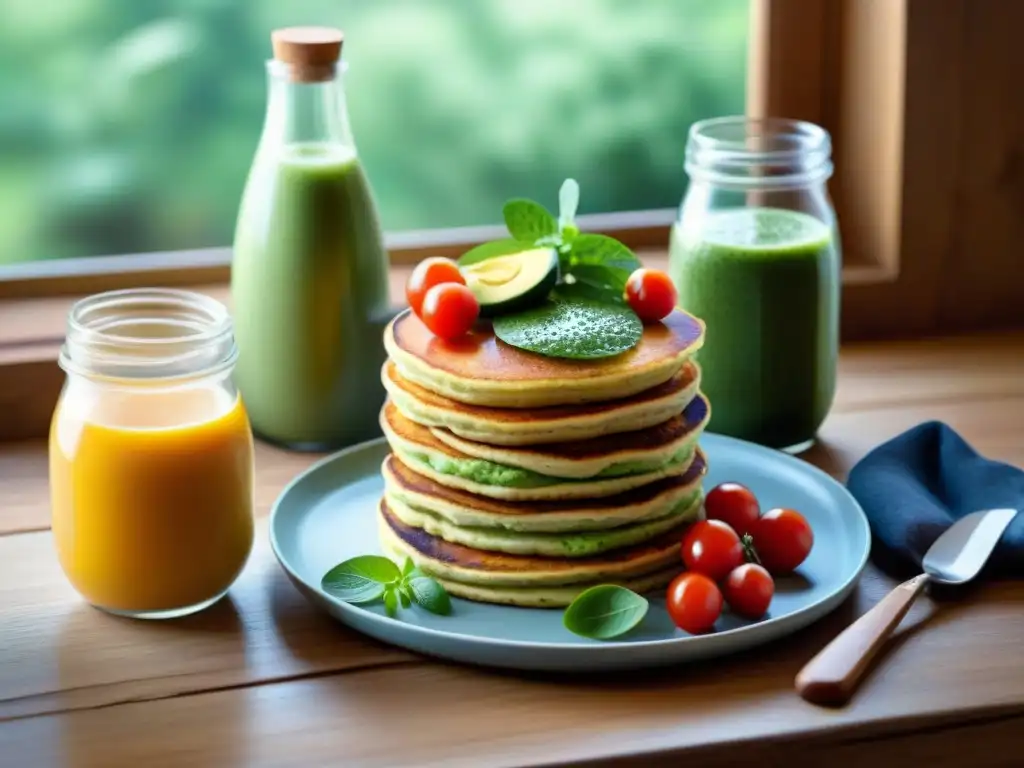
{"points": [[749, 550]]}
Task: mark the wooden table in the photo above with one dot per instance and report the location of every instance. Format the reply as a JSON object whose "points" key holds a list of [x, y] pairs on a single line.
{"points": [[264, 679]]}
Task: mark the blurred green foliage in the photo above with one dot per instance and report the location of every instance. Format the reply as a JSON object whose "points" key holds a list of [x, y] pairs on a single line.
{"points": [[130, 126]]}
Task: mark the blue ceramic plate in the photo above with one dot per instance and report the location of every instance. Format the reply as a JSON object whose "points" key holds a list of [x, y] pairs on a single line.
{"points": [[328, 514]]}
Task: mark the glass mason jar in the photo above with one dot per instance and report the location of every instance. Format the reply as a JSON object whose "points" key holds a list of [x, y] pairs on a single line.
{"points": [[755, 253], [151, 454]]}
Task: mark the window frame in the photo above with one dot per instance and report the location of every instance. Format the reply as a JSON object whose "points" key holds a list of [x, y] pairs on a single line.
{"points": [[872, 72]]}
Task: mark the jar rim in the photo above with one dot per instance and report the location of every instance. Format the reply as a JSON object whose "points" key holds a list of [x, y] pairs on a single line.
{"points": [[148, 333], [746, 152]]}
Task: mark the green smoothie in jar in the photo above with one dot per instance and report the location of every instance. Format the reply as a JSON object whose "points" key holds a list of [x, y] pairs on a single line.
{"points": [[755, 254], [765, 281]]}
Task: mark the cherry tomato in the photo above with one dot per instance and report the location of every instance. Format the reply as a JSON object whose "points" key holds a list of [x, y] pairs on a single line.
{"points": [[426, 275], [651, 294], [733, 504], [694, 602], [712, 548], [449, 310], [748, 590], [783, 539]]}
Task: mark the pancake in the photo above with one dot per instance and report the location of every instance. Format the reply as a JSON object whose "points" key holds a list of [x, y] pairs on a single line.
{"points": [[552, 597], [578, 544], [554, 424], [466, 565], [480, 369], [417, 447], [466, 509], [607, 456]]}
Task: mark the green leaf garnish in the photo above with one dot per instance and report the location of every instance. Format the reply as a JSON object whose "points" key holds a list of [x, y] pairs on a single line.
{"points": [[600, 250], [369, 578], [361, 579], [492, 249], [568, 202], [604, 612], [593, 291], [572, 327], [430, 595], [529, 220], [391, 601], [597, 283]]}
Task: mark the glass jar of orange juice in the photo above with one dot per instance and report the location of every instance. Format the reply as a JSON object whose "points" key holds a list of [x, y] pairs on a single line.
{"points": [[151, 454]]}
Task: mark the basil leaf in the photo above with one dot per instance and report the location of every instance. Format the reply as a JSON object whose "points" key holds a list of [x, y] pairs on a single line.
{"points": [[391, 600], [590, 248], [404, 596], [528, 220], [604, 612], [430, 595], [492, 249], [361, 579], [572, 327], [409, 566], [568, 202]]}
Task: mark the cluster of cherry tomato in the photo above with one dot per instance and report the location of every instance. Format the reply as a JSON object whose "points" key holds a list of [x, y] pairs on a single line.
{"points": [[437, 293], [732, 556]]}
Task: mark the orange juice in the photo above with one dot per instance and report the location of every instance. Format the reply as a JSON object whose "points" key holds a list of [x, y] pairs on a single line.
{"points": [[151, 495]]}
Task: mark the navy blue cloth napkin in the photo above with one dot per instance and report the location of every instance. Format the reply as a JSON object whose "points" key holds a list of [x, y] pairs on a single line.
{"points": [[913, 487]]}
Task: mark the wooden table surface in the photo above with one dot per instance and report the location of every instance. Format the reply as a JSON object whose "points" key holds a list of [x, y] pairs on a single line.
{"points": [[264, 679]]}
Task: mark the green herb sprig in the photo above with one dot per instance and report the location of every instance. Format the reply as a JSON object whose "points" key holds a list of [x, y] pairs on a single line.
{"points": [[598, 264], [369, 578]]}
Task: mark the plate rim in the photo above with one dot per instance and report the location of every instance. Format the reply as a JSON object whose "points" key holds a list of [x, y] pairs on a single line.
{"points": [[765, 625]]}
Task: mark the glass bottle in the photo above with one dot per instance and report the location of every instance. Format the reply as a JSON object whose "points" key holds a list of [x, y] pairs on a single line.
{"points": [[151, 454], [755, 253], [309, 272]]}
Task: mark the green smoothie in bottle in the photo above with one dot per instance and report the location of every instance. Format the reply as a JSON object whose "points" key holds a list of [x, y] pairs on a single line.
{"points": [[309, 271]]}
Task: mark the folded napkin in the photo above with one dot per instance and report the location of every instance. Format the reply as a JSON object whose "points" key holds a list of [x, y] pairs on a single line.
{"points": [[913, 487]]}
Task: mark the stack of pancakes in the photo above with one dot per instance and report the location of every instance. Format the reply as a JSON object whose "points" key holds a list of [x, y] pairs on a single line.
{"points": [[521, 479]]}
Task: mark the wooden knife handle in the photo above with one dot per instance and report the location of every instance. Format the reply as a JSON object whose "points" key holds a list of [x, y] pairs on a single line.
{"points": [[832, 676]]}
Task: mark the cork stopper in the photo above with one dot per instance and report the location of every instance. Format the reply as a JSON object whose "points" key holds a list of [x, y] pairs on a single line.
{"points": [[309, 52]]}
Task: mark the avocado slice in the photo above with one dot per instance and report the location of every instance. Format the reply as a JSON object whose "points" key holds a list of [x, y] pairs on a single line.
{"points": [[514, 281]]}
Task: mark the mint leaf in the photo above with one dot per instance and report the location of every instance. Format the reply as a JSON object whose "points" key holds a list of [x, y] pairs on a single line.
{"points": [[406, 598], [409, 566], [597, 282], [391, 600], [528, 220], [583, 289], [430, 595], [571, 326], [494, 248], [590, 248], [568, 202], [361, 579], [604, 612]]}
